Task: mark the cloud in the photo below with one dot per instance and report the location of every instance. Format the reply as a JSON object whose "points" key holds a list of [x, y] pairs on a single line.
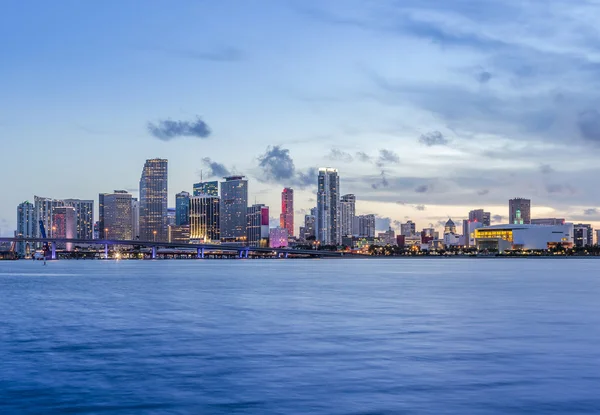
{"points": [[484, 77], [214, 169], [167, 130], [420, 207], [278, 166], [383, 181], [497, 218], [338, 155], [589, 125], [483, 192], [364, 157], [546, 169], [591, 212], [560, 188], [433, 138], [388, 156], [422, 188]]}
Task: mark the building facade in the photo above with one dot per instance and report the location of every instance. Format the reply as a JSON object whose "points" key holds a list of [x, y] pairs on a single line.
{"points": [[515, 236], [64, 225], [205, 219], [328, 214], [278, 238], [118, 216], [182, 208], [347, 214], [206, 188], [548, 221], [583, 235], [519, 211], [27, 226], [179, 234], [481, 216], [286, 219], [153, 200], [44, 208], [135, 218], [234, 206], [84, 211], [258, 225], [408, 229], [366, 226], [310, 223]]}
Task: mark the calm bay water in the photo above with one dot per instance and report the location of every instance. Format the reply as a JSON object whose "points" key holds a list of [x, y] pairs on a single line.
{"points": [[399, 336]]}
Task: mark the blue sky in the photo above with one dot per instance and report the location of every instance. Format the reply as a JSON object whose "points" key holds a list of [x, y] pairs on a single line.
{"points": [[428, 108]]}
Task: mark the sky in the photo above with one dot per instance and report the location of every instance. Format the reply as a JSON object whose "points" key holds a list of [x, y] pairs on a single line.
{"points": [[428, 108]]}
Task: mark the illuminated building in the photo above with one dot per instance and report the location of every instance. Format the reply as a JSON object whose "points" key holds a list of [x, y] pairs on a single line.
{"points": [[179, 234], [182, 208], [44, 208], [278, 238], [347, 214], [388, 237], [118, 222], [64, 225], [469, 227], [515, 236], [27, 225], [328, 214], [519, 211], [548, 221], [583, 235], [234, 204], [366, 226], [310, 223], [153, 200], [479, 215], [408, 229], [206, 188], [286, 219], [257, 225], [84, 212], [205, 218]]}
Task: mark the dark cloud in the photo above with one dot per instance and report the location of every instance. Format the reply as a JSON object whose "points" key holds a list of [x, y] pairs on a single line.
{"points": [[589, 125], [433, 138], [484, 77], [557, 188], [422, 188], [420, 207], [483, 192], [546, 169], [306, 178], [214, 169], [364, 157], [338, 155], [383, 181], [397, 224], [278, 166], [387, 156], [591, 212], [497, 218], [167, 130]]}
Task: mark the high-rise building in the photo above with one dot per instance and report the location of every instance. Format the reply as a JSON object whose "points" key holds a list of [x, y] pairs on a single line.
{"points": [[153, 200], [101, 216], [179, 234], [27, 225], [258, 225], [408, 229], [286, 219], [84, 211], [206, 188], [548, 221], [479, 215], [44, 208], [205, 218], [519, 211], [135, 218], [64, 225], [366, 226], [182, 208], [310, 223], [328, 213], [234, 204], [118, 216], [347, 214], [583, 235]]}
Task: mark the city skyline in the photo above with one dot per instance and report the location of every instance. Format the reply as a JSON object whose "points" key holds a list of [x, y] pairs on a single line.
{"points": [[486, 113]]}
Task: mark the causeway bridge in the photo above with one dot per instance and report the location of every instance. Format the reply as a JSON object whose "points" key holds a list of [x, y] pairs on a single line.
{"points": [[201, 249]]}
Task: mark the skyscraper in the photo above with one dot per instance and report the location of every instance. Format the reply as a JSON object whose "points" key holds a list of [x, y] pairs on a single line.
{"points": [[519, 211], [206, 188], [310, 222], [84, 212], [101, 216], [135, 218], [366, 226], [153, 201], [479, 215], [234, 204], [182, 208], [64, 225], [347, 214], [408, 229], [258, 225], [118, 216], [44, 207], [286, 219], [26, 226], [205, 218], [583, 235], [328, 214]]}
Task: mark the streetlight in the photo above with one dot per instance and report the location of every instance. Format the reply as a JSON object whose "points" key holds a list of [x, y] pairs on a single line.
{"points": [[105, 233], [154, 232]]}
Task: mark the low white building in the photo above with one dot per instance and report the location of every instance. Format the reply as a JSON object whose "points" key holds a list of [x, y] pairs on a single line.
{"points": [[451, 239], [503, 237]]}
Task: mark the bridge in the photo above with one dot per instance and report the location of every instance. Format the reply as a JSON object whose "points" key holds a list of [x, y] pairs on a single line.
{"points": [[201, 249]]}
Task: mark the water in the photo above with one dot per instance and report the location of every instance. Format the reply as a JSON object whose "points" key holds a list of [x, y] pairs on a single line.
{"points": [[400, 336]]}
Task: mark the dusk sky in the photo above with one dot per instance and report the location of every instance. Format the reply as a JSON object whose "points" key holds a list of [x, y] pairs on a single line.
{"points": [[428, 108]]}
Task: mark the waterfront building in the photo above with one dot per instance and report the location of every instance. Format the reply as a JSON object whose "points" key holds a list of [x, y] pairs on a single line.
{"points": [[205, 219], [153, 200], [328, 214], [388, 237], [278, 238], [481, 216], [449, 227], [548, 221], [234, 205], [366, 226], [171, 216], [258, 225], [206, 188], [179, 234], [469, 227], [523, 236], [583, 235], [598, 237], [182, 208], [84, 213], [286, 219], [408, 229], [44, 208], [519, 211], [310, 223], [135, 218], [117, 211], [27, 225], [347, 214], [97, 230], [64, 225], [451, 239]]}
